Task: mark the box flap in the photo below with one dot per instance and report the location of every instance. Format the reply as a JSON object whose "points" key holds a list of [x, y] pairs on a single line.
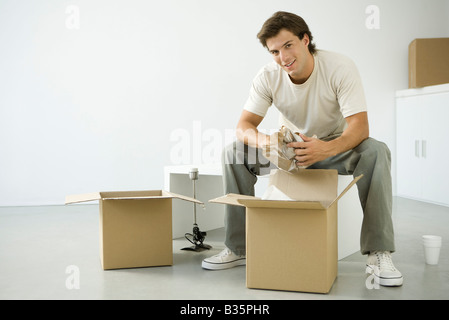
{"points": [[150, 194], [232, 199], [255, 202], [347, 188], [127, 195], [76, 198], [316, 185], [281, 204], [130, 194], [181, 197]]}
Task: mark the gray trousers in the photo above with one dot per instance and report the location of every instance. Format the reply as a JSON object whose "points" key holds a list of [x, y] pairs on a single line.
{"points": [[242, 165]]}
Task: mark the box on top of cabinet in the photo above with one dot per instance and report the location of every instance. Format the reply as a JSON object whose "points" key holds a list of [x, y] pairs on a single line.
{"points": [[428, 62]]}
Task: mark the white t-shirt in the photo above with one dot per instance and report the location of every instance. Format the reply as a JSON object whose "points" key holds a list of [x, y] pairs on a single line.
{"points": [[318, 106]]}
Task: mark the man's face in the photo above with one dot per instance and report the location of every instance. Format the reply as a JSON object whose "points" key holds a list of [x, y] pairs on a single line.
{"points": [[292, 54]]}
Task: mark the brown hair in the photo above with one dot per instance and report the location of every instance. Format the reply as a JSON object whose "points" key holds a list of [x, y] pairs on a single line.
{"points": [[285, 20]]}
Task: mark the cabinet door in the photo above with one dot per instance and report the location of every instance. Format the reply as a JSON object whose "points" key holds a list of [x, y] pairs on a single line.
{"points": [[435, 147], [408, 146]]}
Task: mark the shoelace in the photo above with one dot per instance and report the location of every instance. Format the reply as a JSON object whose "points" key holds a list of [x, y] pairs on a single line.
{"points": [[384, 261], [223, 253]]}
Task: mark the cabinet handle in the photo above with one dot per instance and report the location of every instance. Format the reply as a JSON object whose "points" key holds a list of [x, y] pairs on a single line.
{"points": [[417, 148], [424, 148]]}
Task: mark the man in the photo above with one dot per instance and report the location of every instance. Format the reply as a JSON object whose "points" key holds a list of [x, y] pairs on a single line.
{"points": [[320, 95]]}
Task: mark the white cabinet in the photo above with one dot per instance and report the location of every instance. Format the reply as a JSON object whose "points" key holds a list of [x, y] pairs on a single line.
{"points": [[422, 118]]}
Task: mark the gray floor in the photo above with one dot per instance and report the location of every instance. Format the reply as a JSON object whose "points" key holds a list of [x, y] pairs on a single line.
{"points": [[38, 244]]}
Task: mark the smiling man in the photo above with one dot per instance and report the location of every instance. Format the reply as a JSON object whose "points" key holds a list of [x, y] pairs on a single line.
{"points": [[319, 95]]}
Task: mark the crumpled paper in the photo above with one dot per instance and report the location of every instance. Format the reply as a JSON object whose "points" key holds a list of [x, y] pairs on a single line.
{"points": [[277, 151]]}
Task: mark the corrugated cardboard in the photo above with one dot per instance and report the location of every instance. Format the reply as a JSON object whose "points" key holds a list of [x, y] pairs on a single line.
{"points": [[428, 62], [292, 245], [135, 227]]}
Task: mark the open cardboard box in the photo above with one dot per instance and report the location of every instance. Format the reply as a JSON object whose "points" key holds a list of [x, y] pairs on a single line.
{"points": [[135, 227], [292, 245]]}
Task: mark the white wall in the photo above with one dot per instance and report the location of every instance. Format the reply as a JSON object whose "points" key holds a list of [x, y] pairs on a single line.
{"points": [[105, 106]]}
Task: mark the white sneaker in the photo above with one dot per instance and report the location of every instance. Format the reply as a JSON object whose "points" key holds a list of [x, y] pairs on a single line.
{"points": [[224, 260], [380, 264]]}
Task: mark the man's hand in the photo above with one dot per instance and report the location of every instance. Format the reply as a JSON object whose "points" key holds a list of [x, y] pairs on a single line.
{"points": [[311, 150]]}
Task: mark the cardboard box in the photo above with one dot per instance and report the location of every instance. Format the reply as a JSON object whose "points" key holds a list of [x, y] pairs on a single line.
{"points": [[428, 62], [135, 227], [292, 245]]}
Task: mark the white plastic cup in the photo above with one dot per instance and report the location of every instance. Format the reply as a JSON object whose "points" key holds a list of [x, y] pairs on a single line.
{"points": [[432, 246]]}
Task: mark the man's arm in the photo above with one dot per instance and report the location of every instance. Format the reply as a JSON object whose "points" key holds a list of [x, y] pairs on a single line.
{"points": [[313, 150], [247, 130]]}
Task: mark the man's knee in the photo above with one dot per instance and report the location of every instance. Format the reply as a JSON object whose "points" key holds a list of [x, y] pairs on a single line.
{"points": [[375, 147]]}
